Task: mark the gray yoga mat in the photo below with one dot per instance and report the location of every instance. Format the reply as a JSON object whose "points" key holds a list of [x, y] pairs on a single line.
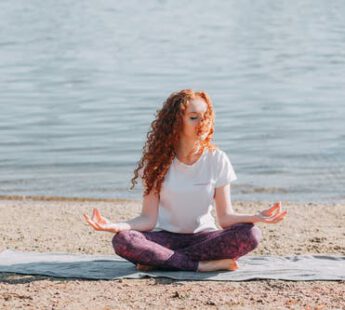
{"points": [[64, 265]]}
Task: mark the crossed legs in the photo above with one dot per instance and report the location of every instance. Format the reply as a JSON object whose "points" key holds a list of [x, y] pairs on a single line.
{"points": [[190, 252]]}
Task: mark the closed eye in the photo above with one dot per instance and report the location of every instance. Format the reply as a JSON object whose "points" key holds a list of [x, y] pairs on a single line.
{"points": [[193, 118]]}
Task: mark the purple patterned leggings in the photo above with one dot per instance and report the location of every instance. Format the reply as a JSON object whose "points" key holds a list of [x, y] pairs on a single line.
{"points": [[176, 251]]}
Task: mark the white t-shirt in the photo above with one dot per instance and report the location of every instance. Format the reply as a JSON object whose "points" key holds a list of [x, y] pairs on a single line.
{"points": [[187, 193]]}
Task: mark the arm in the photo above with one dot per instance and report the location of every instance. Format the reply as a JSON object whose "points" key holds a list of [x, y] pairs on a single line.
{"points": [[227, 216], [225, 212], [146, 221]]}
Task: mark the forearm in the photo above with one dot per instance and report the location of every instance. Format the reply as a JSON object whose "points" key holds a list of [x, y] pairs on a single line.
{"points": [[140, 223], [235, 218]]}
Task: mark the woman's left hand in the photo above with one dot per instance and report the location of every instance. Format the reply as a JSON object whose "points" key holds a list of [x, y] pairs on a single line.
{"points": [[272, 215]]}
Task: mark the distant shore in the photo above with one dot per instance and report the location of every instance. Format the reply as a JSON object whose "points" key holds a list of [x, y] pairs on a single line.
{"points": [[55, 224]]}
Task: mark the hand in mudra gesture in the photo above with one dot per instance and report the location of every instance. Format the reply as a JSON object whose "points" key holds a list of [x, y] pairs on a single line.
{"points": [[271, 215], [100, 223]]}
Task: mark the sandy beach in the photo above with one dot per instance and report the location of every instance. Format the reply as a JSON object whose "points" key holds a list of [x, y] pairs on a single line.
{"points": [[55, 225]]}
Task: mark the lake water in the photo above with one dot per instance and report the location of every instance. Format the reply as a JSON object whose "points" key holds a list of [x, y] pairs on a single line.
{"points": [[81, 81]]}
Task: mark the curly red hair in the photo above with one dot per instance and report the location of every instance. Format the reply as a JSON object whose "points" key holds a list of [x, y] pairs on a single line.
{"points": [[163, 138]]}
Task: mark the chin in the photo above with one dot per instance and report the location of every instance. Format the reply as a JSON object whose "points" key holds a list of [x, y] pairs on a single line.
{"points": [[202, 137]]}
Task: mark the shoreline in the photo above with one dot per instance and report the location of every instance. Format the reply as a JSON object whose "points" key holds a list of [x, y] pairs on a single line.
{"points": [[119, 200], [55, 224], [61, 198]]}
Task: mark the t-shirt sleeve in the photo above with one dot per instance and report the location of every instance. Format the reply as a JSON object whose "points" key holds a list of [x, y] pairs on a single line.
{"points": [[225, 171]]}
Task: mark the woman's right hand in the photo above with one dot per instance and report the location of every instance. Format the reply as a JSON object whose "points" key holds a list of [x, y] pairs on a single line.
{"points": [[100, 223]]}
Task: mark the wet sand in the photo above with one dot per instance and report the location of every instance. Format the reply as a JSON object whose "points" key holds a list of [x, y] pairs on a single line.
{"points": [[44, 224]]}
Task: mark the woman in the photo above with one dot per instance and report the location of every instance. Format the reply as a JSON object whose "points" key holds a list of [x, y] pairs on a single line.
{"points": [[183, 176]]}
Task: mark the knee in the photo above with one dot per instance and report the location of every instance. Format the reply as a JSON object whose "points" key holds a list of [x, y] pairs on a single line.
{"points": [[121, 241], [251, 233], [254, 236], [121, 237]]}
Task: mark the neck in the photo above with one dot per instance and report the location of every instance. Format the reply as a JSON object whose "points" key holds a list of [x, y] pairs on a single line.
{"points": [[187, 148]]}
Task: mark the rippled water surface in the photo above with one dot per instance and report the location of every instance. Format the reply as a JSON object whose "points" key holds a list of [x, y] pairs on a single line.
{"points": [[80, 83]]}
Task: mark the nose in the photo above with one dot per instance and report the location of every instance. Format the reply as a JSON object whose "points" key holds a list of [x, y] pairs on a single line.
{"points": [[203, 128]]}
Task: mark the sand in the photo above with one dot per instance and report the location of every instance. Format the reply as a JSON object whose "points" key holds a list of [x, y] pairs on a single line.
{"points": [[55, 225]]}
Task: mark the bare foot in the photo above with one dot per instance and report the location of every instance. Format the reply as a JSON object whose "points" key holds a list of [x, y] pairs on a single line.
{"points": [[221, 264], [141, 267]]}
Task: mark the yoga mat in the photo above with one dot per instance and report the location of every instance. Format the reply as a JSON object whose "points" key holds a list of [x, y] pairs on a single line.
{"points": [[107, 267]]}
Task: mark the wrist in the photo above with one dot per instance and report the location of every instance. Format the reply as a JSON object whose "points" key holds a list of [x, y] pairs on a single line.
{"points": [[117, 227], [256, 218]]}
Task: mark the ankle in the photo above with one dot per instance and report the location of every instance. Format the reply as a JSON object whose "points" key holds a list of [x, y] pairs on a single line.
{"points": [[221, 264]]}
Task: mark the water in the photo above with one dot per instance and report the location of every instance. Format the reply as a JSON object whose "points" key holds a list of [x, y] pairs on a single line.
{"points": [[80, 83]]}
